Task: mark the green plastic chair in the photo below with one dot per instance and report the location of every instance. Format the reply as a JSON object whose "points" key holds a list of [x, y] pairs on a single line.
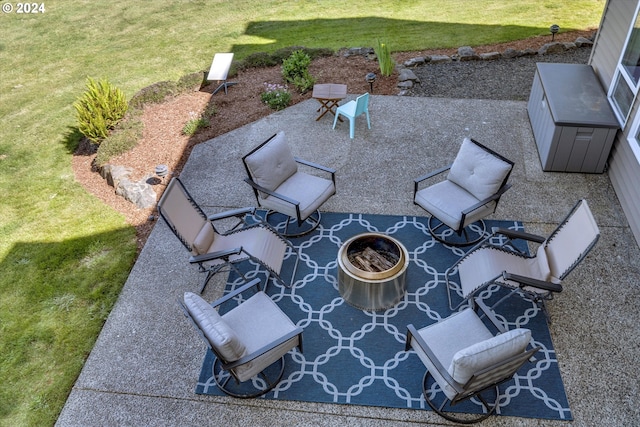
{"points": [[353, 109]]}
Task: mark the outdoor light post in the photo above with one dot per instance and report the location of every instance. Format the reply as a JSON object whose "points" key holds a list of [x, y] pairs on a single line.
{"points": [[162, 171], [370, 78], [554, 30]]}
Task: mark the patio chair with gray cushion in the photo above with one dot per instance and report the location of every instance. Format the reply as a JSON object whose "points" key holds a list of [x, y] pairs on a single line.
{"points": [[476, 180], [466, 360], [213, 251], [537, 277], [249, 341], [280, 186]]}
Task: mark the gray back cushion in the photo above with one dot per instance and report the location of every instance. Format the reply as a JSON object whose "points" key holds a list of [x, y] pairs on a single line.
{"points": [[272, 163], [478, 171], [218, 333]]}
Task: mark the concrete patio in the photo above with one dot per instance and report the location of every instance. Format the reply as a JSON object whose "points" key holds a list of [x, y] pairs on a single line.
{"points": [[144, 366]]}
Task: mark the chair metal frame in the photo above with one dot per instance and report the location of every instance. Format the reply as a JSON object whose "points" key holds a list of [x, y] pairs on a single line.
{"points": [[223, 370], [481, 381], [434, 223], [226, 256], [313, 220], [538, 291]]}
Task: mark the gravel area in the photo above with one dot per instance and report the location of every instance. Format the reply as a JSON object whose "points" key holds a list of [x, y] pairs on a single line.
{"points": [[505, 79]]}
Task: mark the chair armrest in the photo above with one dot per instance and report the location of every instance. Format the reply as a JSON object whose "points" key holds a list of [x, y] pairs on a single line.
{"points": [[433, 173], [490, 315], [515, 234], [528, 281], [232, 213], [236, 292], [418, 180], [442, 370], [195, 259], [491, 198], [319, 167], [314, 165], [271, 193], [249, 357]]}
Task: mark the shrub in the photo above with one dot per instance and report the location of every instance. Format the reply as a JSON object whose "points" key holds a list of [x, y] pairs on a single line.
{"points": [[259, 60], [154, 94], [190, 81], [384, 58], [195, 123], [264, 59], [276, 96], [99, 109], [295, 70], [124, 137]]}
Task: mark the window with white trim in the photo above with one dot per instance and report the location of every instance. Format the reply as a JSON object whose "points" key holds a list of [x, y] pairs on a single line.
{"points": [[634, 137], [626, 81]]}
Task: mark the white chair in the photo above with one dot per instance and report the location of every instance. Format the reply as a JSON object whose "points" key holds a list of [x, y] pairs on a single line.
{"points": [[537, 277], [213, 251], [466, 360], [280, 186], [352, 110], [249, 341], [476, 181]]}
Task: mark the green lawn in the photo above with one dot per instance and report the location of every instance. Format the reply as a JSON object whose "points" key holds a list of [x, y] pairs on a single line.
{"points": [[64, 256]]}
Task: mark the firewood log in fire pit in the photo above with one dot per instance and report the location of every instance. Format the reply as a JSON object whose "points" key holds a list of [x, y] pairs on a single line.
{"points": [[372, 260]]}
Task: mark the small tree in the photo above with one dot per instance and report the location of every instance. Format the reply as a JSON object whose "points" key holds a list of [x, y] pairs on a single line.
{"points": [[295, 70], [99, 109]]}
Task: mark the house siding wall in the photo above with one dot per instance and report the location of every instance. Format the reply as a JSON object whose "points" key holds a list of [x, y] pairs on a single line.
{"points": [[624, 167], [612, 34]]}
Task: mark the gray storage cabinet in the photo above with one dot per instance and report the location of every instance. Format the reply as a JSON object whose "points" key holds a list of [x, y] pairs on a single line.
{"points": [[573, 124]]}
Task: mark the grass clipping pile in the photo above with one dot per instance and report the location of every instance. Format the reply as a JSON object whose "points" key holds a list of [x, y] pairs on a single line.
{"points": [[163, 142]]}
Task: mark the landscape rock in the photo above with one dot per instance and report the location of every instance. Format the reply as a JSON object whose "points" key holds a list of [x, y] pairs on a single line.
{"points": [[550, 48], [467, 53], [115, 173], [511, 53], [414, 62], [139, 193], [408, 75], [437, 59], [355, 51], [583, 41], [490, 55]]}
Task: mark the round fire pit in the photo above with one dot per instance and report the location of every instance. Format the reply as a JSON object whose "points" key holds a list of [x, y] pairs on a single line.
{"points": [[371, 271]]}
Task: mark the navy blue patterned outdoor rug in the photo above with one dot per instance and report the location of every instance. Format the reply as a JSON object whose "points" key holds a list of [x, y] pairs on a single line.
{"points": [[357, 357]]}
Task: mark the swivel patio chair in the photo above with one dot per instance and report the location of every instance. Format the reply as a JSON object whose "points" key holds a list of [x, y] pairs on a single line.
{"points": [[213, 251], [466, 360], [476, 181], [352, 110], [249, 341], [280, 187], [536, 277]]}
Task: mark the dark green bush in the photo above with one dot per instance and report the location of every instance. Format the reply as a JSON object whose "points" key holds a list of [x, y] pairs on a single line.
{"points": [[154, 94], [99, 109], [190, 81], [264, 59], [295, 70], [259, 60], [123, 138]]}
